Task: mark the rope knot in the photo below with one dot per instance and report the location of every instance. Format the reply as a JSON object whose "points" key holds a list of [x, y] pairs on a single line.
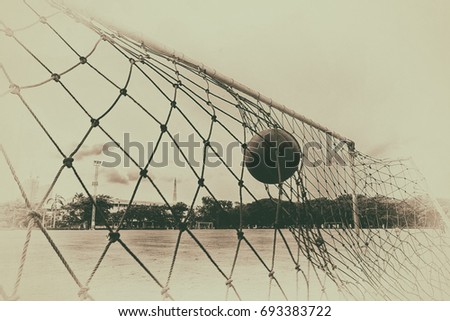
{"points": [[123, 91], [229, 283], [182, 226], [143, 172], [14, 89], [165, 292], [9, 32], [240, 235], [271, 273], [297, 268], [33, 215], [83, 60], [241, 183], [173, 104], [43, 19], [56, 77], [351, 146], [201, 182], [113, 237], [95, 122], [83, 293], [163, 128], [319, 241], [68, 162], [214, 118]]}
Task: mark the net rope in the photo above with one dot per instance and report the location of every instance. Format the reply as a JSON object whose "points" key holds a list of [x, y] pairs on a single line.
{"points": [[398, 250]]}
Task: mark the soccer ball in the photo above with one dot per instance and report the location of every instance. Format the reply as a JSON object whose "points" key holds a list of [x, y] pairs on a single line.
{"points": [[272, 156]]}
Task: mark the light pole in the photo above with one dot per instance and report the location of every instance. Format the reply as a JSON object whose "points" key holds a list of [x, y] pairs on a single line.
{"points": [[94, 196], [174, 197]]}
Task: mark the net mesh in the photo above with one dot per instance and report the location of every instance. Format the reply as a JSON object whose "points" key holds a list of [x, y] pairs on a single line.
{"points": [[354, 227]]}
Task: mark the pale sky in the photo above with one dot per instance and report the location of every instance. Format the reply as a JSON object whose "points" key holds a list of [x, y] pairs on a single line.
{"points": [[377, 72]]}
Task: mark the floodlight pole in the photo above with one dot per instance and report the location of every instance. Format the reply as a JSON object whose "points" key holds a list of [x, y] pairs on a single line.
{"points": [[94, 196]]}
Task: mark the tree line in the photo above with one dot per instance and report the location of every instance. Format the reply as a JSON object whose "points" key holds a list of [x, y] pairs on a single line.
{"points": [[374, 212]]}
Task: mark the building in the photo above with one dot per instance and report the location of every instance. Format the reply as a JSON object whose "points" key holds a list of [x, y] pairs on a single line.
{"points": [[122, 204]]}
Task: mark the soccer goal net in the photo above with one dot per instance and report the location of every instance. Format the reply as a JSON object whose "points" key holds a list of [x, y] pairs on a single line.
{"points": [[249, 199]]}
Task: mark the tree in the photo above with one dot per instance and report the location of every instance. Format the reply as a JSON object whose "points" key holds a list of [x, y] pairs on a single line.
{"points": [[260, 213], [146, 216], [179, 211], [57, 203], [220, 212], [80, 210]]}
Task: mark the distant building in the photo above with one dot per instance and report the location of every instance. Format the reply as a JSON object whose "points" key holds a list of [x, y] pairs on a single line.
{"points": [[122, 204]]}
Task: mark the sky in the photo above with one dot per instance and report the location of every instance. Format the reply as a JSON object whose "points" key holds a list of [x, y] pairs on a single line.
{"points": [[377, 72]]}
